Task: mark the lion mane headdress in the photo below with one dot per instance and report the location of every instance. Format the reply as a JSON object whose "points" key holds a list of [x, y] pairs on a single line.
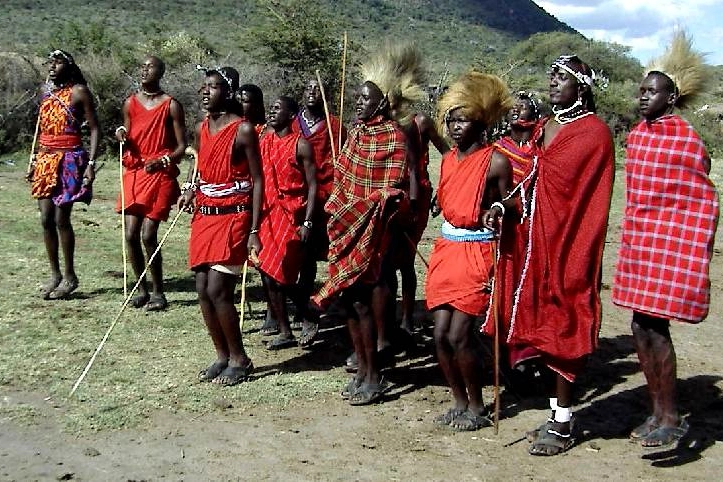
{"points": [[398, 72], [482, 97], [684, 66]]}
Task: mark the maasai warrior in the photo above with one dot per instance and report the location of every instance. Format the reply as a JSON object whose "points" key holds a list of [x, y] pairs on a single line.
{"points": [[517, 146], [311, 124], [62, 172], [424, 131], [154, 140], [251, 98], [473, 177], [557, 303], [369, 191], [224, 229], [289, 202], [671, 214]]}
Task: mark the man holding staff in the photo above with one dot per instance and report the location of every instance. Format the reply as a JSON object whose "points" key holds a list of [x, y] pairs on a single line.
{"points": [[62, 171], [370, 189], [312, 125], [154, 140], [226, 199]]}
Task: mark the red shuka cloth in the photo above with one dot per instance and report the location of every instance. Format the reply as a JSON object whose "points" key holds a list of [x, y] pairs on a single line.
{"points": [[671, 213], [513, 239], [368, 175], [220, 239], [557, 308], [150, 137], [285, 192], [318, 137], [459, 271]]}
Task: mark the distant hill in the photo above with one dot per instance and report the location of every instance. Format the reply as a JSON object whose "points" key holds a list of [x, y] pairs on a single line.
{"points": [[455, 34]]}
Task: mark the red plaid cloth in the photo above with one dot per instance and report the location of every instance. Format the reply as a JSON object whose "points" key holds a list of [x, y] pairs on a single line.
{"points": [[367, 175], [285, 194], [670, 220]]}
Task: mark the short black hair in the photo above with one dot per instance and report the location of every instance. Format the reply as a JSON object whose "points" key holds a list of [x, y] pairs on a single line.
{"points": [[290, 104], [668, 83]]}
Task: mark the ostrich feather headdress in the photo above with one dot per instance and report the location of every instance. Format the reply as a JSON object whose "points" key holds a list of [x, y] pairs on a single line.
{"points": [[398, 72], [684, 66], [482, 97]]}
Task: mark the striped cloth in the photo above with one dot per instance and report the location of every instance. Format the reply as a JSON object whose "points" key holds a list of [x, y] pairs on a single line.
{"points": [[670, 219], [367, 175], [520, 156]]}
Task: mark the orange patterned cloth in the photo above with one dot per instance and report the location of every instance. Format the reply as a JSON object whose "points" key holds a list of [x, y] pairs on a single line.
{"points": [[61, 159]]}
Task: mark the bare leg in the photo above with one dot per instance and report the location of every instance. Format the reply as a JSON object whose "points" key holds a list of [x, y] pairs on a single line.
{"points": [[366, 333], [463, 342], [135, 253], [445, 357], [210, 318], [658, 362], [67, 239], [379, 303], [220, 289], [149, 234], [50, 237], [277, 306]]}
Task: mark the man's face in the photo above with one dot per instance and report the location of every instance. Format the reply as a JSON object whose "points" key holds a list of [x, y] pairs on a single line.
{"points": [[655, 97], [279, 115], [368, 101], [462, 129], [247, 102], [213, 92], [312, 94], [151, 70], [57, 68], [522, 110], [564, 88]]}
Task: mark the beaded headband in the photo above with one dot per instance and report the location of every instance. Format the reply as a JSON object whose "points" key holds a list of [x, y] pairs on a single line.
{"points": [[217, 70], [59, 53]]}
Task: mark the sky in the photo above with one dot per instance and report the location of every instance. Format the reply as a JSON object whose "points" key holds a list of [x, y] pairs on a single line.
{"points": [[646, 26]]}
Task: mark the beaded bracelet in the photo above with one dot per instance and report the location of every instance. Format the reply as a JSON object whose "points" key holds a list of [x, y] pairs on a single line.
{"points": [[498, 205], [166, 160]]}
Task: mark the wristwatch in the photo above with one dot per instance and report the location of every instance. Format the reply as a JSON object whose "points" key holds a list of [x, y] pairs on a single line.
{"points": [[307, 224]]}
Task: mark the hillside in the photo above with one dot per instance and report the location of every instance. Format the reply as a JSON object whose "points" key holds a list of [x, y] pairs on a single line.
{"points": [[452, 33]]}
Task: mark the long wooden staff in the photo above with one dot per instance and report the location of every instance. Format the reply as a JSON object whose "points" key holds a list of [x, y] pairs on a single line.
{"points": [[243, 295], [426, 264], [341, 92], [123, 220], [192, 152], [31, 162], [328, 116], [496, 319]]}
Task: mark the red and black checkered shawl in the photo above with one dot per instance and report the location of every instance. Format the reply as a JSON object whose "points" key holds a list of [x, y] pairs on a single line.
{"points": [[671, 214], [368, 174]]}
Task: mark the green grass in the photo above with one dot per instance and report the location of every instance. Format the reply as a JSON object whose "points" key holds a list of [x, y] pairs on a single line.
{"points": [[150, 362]]}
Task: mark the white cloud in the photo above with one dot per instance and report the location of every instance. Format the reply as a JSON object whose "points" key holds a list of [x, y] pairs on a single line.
{"points": [[643, 25]]}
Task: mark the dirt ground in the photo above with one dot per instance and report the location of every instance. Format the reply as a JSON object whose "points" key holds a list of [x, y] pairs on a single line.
{"points": [[326, 439]]}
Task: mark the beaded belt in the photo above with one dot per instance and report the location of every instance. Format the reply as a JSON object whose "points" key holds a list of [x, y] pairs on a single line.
{"points": [[217, 210]]}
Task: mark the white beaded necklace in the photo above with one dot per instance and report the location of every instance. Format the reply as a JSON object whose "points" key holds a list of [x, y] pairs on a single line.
{"points": [[578, 112]]}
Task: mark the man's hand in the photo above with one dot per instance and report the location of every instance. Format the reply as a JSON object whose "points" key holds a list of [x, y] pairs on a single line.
{"points": [[186, 201], [434, 207], [304, 233], [493, 218], [31, 170], [89, 175]]}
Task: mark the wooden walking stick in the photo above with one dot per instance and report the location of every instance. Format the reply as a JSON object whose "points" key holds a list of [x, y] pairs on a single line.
{"points": [[243, 295], [496, 319], [326, 113], [31, 161], [192, 152], [341, 93], [123, 221], [426, 264]]}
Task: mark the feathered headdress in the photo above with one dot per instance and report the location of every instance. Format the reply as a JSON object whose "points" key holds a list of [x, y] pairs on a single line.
{"points": [[482, 97], [398, 72], [684, 66]]}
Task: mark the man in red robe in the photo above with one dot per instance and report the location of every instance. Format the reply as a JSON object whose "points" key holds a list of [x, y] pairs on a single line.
{"points": [[226, 199], [671, 215], [153, 138], [289, 202], [557, 307], [473, 178], [311, 124]]}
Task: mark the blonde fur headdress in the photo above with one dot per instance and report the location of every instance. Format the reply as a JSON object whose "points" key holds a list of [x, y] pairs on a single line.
{"points": [[398, 72], [482, 97], [684, 66]]}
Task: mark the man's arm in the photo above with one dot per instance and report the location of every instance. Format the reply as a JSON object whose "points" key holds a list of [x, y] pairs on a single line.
{"points": [[305, 156], [179, 130], [247, 146], [429, 130], [81, 96], [500, 176]]}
